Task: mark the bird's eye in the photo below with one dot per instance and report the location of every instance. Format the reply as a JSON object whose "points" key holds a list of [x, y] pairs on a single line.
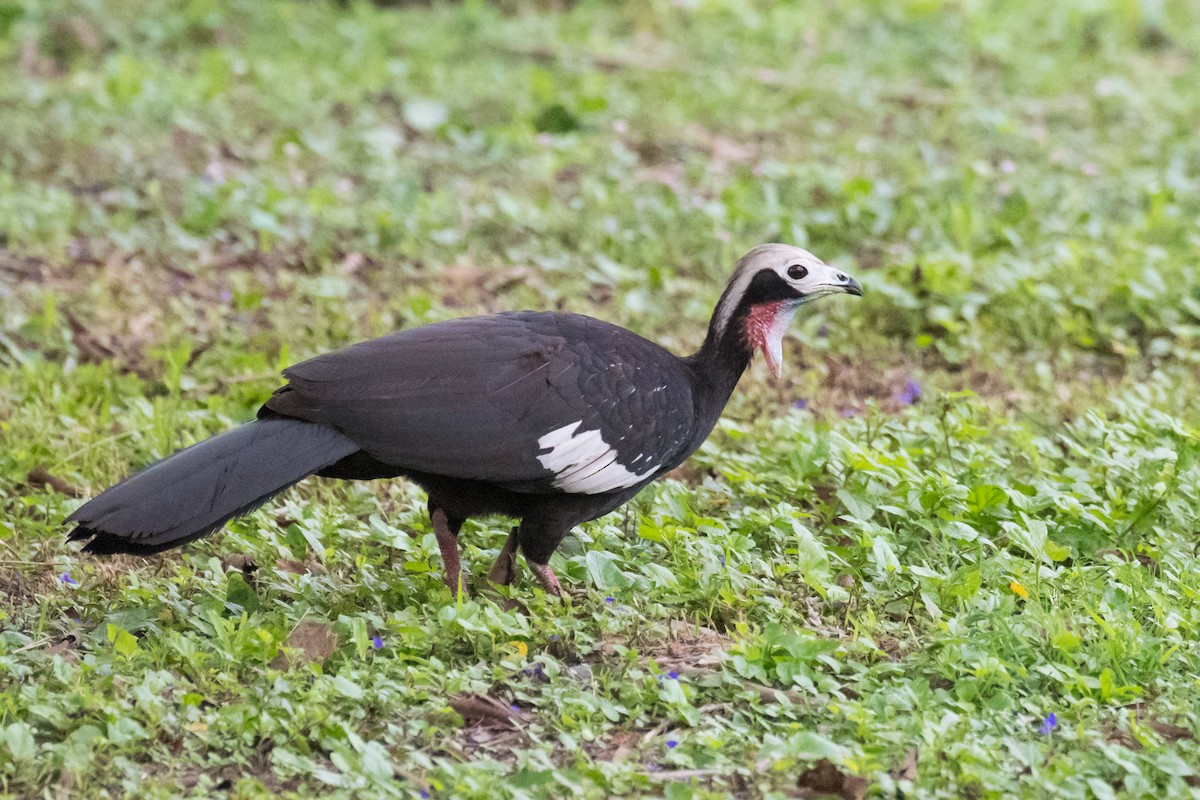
{"points": [[797, 272]]}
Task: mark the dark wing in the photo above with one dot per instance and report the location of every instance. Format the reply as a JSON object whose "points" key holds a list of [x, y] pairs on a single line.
{"points": [[533, 402]]}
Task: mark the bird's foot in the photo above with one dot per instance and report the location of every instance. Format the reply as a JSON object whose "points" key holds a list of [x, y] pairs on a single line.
{"points": [[505, 568], [547, 579]]}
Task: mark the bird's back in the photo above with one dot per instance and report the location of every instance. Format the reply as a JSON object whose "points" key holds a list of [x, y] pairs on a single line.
{"points": [[534, 402]]}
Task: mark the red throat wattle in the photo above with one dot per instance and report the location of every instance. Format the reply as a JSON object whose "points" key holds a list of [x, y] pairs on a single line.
{"points": [[765, 326]]}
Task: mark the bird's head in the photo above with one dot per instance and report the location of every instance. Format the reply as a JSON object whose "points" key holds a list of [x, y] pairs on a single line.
{"points": [[768, 285]]}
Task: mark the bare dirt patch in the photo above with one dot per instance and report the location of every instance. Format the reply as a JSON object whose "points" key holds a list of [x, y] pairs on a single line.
{"points": [[311, 641]]}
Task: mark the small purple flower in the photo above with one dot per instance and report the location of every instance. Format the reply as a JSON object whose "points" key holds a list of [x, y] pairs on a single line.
{"points": [[377, 642], [609, 600], [424, 794], [848, 412], [553, 637], [910, 394], [722, 560], [672, 744], [516, 709], [800, 404], [67, 579], [1049, 723], [673, 675]]}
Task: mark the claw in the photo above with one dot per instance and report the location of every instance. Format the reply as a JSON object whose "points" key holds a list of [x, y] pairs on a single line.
{"points": [[505, 568], [546, 578]]}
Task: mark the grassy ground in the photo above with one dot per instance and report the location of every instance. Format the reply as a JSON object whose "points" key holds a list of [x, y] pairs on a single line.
{"points": [[952, 555]]}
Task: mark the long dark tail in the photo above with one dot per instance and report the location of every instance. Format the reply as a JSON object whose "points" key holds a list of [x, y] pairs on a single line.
{"points": [[195, 491]]}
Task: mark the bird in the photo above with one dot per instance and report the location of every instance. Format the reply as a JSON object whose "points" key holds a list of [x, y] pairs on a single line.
{"points": [[550, 418]]}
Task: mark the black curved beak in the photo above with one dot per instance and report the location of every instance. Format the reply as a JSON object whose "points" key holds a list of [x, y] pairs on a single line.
{"points": [[853, 287]]}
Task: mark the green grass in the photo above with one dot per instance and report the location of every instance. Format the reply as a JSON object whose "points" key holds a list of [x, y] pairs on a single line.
{"points": [[196, 194]]}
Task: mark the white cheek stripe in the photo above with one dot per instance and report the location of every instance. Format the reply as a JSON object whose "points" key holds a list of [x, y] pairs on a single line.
{"points": [[583, 463]]}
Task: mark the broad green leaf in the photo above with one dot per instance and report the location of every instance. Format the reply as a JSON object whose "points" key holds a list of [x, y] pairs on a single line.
{"points": [[123, 641], [240, 593], [124, 731], [884, 557], [347, 687], [811, 559], [19, 738], [604, 572]]}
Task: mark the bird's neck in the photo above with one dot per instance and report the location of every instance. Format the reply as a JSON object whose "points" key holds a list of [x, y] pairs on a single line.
{"points": [[718, 365]]}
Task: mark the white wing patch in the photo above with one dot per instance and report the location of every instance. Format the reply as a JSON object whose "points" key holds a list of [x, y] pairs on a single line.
{"points": [[583, 463]]}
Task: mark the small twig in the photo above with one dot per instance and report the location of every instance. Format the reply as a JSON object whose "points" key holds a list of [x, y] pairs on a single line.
{"points": [[946, 431], [683, 774], [655, 731], [420, 783], [13, 350], [204, 388], [33, 645], [107, 439], [917, 97], [605, 63], [768, 694], [41, 477], [474, 707], [262, 376], [20, 562]]}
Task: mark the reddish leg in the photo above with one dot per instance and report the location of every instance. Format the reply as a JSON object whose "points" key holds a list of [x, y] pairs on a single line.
{"points": [[540, 537], [505, 569], [447, 539], [545, 577]]}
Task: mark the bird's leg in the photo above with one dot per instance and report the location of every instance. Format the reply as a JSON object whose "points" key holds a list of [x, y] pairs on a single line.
{"points": [[446, 531], [546, 578], [539, 538], [505, 568]]}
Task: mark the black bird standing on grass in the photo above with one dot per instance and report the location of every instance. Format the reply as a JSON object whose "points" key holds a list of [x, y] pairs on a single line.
{"points": [[554, 419]]}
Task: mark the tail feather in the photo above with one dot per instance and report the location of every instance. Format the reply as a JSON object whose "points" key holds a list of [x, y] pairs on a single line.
{"points": [[197, 490]]}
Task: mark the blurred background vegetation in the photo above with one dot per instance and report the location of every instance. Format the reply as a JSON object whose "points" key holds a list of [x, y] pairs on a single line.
{"points": [[195, 194]]}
